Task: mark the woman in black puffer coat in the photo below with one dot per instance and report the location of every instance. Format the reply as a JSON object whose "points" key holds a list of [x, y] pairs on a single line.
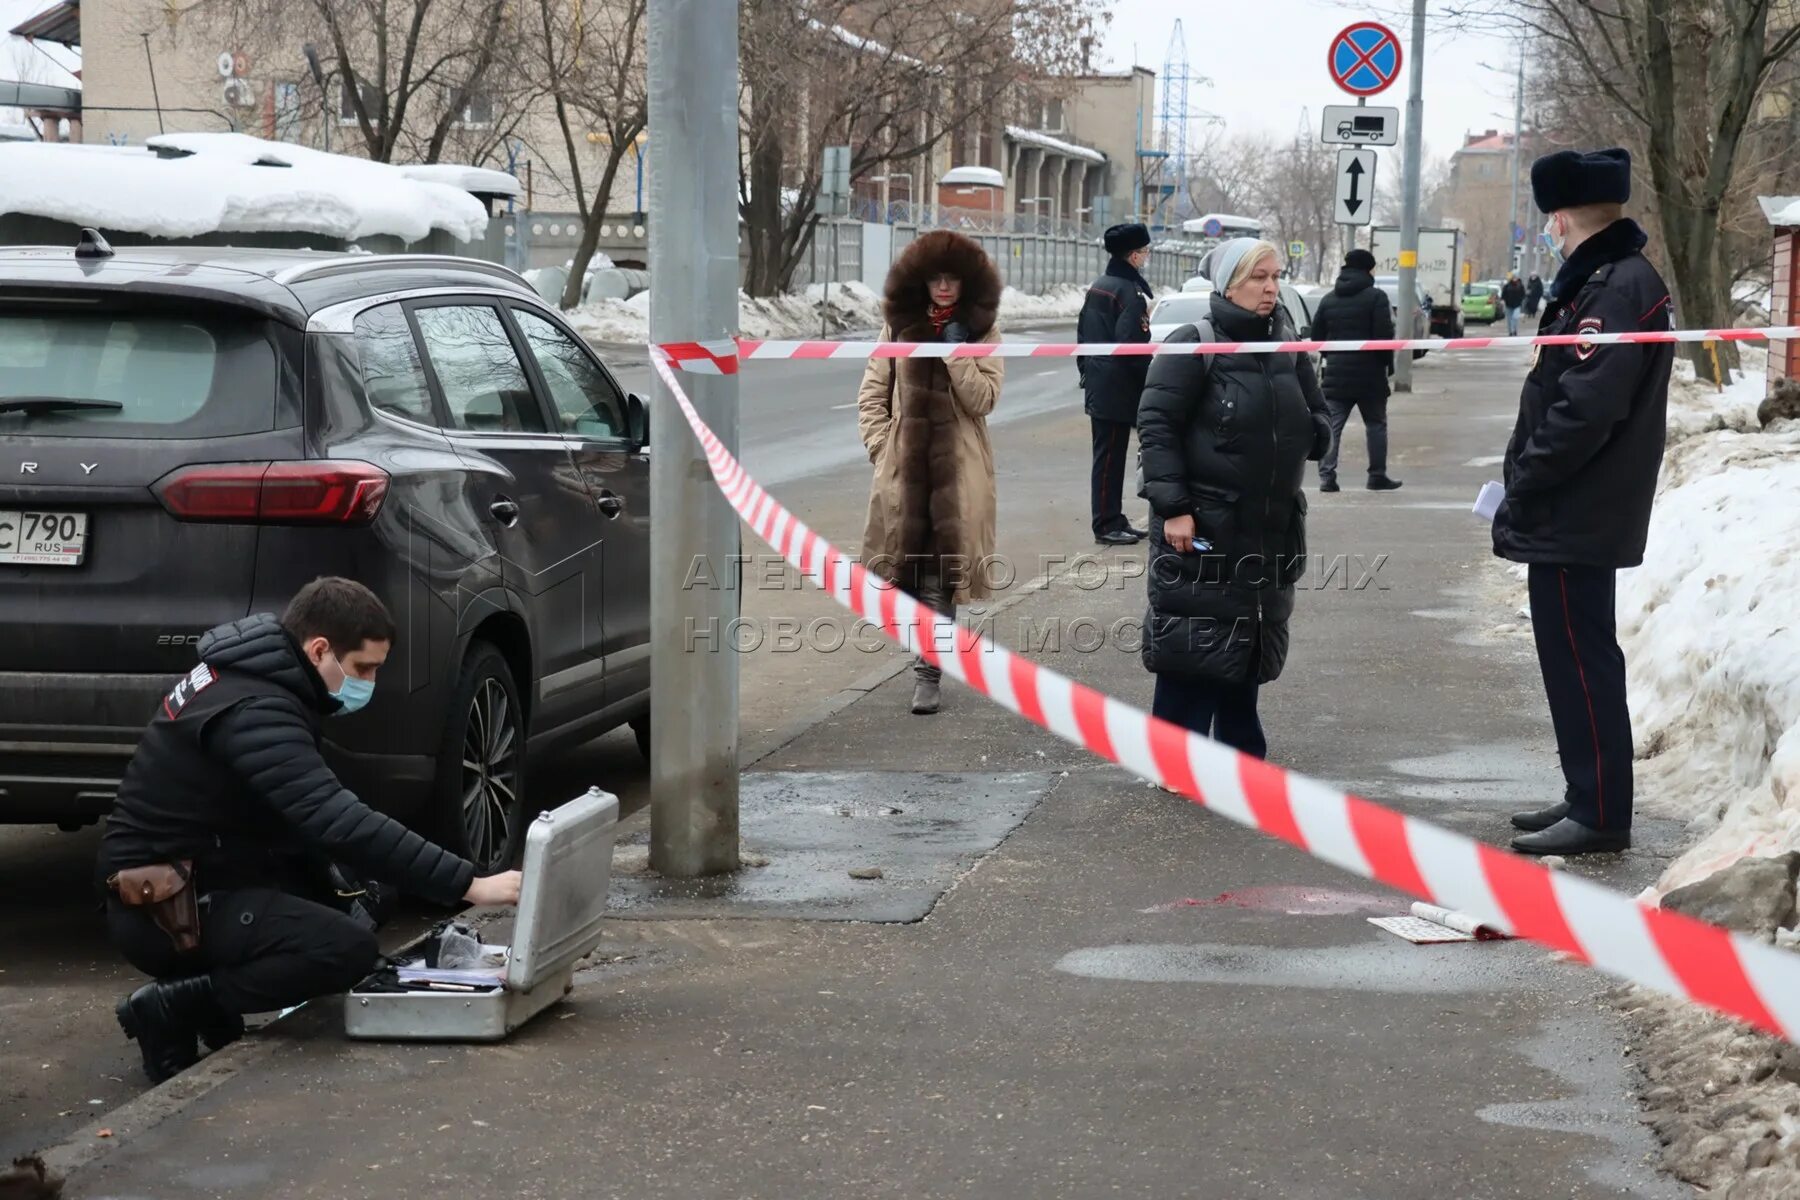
{"points": [[1225, 443]]}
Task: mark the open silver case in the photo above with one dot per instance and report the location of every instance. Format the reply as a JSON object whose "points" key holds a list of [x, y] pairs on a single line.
{"points": [[562, 903]]}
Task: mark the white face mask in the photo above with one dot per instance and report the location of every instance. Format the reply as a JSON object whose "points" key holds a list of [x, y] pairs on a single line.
{"points": [[1550, 237]]}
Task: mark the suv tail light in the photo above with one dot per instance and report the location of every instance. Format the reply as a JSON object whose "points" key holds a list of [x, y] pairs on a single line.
{"points": [[321, 492]]}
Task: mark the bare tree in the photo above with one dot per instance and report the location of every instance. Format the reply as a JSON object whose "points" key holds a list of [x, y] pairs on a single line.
{"points": [[1683, 78], [1230, 173], [413, 75], [891, 79], [593, 61]]}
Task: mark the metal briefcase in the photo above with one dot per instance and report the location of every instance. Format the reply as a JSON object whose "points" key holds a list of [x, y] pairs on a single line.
{"points": [[562, 902]]}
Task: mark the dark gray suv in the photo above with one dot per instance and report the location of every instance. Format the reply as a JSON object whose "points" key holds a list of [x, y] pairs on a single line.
{"points": [[188, 435]]}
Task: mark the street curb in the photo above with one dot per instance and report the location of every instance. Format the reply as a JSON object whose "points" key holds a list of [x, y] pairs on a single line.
{"points": [[82, 1148]]}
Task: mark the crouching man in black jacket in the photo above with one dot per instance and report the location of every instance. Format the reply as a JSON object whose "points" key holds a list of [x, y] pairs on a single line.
{"points": [[1580, 478], [228, 800]]}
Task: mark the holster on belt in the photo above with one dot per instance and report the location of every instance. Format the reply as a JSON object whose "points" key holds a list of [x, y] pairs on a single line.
{"points": [[165, 891]]}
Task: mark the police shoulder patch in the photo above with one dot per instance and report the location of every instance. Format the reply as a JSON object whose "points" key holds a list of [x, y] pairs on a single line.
{"points": [[189, 686], [1584, 350]]}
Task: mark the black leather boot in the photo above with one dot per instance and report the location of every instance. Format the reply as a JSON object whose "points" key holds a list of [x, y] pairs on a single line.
{"points": [[1569, 838], [164, 1018], [1541, 819]]}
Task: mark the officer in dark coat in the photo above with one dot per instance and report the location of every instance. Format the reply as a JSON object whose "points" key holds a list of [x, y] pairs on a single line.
{"points": [[1357, 380], [1580, 478], [1117, 309], [229, 778]]}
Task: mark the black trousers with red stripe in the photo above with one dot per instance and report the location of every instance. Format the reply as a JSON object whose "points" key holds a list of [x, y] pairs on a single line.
{"points": [[1584, 677], [1112, 442]]}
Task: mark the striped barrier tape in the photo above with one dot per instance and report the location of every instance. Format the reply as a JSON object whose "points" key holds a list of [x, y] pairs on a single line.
{"points": [[1606, 929], [722, 357]]}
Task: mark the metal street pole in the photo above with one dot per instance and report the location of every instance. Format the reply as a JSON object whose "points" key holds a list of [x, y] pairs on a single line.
{"points": [[693, 78], [1409, 201], [1514, 226]]}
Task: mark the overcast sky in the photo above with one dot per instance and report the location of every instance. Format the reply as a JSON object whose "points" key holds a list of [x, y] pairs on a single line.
{"points": [[1267, 61]]}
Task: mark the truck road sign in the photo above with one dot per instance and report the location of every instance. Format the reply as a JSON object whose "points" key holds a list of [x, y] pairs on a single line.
{"points": [[1355, 125]]}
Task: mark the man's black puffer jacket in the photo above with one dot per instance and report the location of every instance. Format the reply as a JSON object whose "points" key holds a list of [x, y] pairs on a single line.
{"points": [[229, 774], [1355, 311], [1228, 446]]}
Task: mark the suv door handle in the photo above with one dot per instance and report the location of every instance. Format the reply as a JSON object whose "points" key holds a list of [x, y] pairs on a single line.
{"points": [[505, 510], [611, 504]]}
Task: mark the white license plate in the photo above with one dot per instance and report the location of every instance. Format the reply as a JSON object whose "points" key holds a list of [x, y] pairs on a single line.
{"points": [[32, 537]]}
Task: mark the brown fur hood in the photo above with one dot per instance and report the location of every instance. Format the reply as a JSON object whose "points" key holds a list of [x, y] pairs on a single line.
{"points": [[906, 301]]}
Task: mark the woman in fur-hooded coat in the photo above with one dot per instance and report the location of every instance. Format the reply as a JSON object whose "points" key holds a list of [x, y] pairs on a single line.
{"points": [[924, 423]]}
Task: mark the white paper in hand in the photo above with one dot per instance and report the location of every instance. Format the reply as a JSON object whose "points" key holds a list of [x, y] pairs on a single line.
{"points": [[1488, 502]]}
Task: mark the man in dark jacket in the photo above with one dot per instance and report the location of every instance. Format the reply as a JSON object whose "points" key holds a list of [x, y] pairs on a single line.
{"points": [[228, 778], [1512, 299], [1580, 478], [1357, 380], [1534, 295], [1117, 309]]}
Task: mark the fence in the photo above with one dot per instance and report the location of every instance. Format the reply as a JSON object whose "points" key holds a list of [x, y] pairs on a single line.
{"points": [[1032, 263]]}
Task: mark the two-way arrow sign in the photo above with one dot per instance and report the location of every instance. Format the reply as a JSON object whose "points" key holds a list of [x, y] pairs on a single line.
{"points": [[1355, 187]]}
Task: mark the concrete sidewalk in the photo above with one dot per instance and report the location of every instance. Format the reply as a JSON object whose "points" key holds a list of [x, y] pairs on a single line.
{"points": [[1123, 996]]}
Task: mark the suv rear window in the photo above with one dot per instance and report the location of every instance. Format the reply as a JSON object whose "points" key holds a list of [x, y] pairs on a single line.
{"points": [[137, 375]]}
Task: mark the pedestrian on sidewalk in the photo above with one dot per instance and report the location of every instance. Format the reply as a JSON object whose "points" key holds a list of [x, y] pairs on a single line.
{"points": [[231, 820], [1117, 309], [1357, 380], [1226, 439], [1512, 298], [923, 421], [1580, 479], [1534, 295]]}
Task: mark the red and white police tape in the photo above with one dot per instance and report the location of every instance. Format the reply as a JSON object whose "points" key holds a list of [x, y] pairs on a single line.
{"points": [[1606, 929], [721, 357]]}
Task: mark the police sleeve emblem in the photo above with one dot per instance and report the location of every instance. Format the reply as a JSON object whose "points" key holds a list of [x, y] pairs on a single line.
{"points": [[189, 686], [1584, 350]]}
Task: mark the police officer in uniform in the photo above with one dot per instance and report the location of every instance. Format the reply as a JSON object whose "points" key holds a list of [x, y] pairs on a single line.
{"points": [[1117, 309], [228, 809], [1580, 477]]}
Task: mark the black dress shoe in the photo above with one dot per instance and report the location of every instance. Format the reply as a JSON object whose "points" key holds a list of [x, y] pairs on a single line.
{"points": [[164, 1019], [1567, 838], [1381, 483], [1117, 537], [1541, 819], [1330, 485], [1139, 534]]}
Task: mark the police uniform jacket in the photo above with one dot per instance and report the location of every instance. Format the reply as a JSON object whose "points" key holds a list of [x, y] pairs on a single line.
{"points": [[1582, 463], [229, 774], [1117, 309]]}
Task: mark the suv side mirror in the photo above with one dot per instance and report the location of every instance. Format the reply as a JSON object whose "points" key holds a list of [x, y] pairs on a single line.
{"points": [[637, 421]]}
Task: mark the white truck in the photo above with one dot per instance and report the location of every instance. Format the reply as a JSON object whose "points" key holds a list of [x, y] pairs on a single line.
{"points": [[1440, 271]]}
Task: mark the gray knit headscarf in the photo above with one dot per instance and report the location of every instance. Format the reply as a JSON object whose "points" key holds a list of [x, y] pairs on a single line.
{"points": [[1222, 260]]}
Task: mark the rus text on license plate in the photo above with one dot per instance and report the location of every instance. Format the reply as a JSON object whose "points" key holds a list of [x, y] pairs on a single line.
{"points": [[30, 537]]}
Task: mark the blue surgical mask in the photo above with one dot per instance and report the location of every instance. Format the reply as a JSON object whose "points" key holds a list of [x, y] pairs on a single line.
{"points": [[353, 694]]}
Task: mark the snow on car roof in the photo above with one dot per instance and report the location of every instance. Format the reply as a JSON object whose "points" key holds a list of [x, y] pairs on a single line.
{"points": [[190, 184]]}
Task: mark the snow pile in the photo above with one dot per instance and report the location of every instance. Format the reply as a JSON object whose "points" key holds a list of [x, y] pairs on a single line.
{"points": [[1711, 648], [854, 309], [231, 183], [1722, 1100]]}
